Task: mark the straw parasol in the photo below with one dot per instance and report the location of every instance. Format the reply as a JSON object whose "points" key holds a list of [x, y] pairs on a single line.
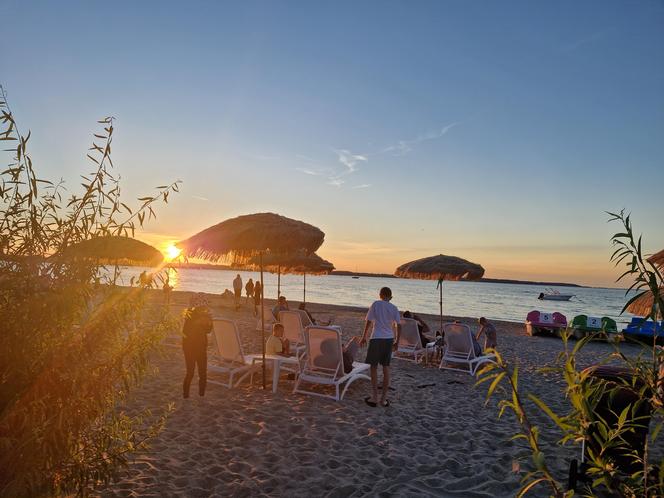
{"points": [[440, 267], [299, 263], [115, 248], [643, 304], [657, 259], [239, 239]]}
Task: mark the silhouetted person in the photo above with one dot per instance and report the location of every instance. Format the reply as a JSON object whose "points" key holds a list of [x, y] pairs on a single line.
{"points": [[197, 325]]}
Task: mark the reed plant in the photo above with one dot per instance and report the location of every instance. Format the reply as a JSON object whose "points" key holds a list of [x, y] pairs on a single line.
{"points": [[617, 462], [72, 345]]}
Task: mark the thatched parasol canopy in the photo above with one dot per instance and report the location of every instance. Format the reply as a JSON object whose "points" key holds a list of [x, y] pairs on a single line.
{"points": [[246, 236], [642, 306], [441, 267], [657, 259], [298, 263], [115, 248]]}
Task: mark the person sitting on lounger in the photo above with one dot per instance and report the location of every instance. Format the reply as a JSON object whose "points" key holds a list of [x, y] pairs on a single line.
{"points": [[282, 305], [422, 327], [313, 320], [277, 343], [489, 332]]}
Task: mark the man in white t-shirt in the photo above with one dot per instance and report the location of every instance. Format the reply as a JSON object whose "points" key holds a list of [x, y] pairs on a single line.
{"points": [[385, 318]]}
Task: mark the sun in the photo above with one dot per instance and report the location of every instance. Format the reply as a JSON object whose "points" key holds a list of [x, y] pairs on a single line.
{"points": [[171, 252]]}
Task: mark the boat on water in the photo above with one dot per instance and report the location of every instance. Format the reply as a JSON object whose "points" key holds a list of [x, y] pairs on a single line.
{"points": [[554, 295]]}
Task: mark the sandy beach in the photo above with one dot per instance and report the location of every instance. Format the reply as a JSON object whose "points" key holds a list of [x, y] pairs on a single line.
{"points": [[436, 439]]}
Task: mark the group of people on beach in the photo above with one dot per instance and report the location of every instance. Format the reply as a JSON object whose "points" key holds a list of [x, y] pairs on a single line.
{"points": [[381, 335], [252, 289]]}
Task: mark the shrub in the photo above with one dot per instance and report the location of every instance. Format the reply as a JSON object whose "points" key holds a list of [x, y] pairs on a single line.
{"points": [[72, 347]]}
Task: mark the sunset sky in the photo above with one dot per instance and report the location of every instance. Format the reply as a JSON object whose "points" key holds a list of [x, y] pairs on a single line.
{"points": [[495, 131]]}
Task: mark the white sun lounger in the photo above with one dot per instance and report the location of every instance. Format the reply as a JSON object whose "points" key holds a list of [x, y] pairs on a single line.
{"points": [[459, 349], [293, 330], [410, 343], [230, 359], [269, 319], [324, 363]]}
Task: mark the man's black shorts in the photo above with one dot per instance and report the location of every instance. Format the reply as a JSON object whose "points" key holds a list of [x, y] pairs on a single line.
{"points": [[379, 351]]}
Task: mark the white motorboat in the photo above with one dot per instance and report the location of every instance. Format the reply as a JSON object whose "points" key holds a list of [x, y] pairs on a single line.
{"points": [[554, 295]]}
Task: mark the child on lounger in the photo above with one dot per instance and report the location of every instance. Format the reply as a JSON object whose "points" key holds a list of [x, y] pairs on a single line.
{"points": [[277, 343]]}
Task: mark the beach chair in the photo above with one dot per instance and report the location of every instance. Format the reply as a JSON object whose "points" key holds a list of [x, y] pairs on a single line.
{"points": [[230, 359], [293, 330], [269, 319], [324, 363], [459, 349], [410, 343]]}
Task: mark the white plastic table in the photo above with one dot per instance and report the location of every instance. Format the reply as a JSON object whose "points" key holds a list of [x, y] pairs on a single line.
{"points": [[277, 361]]}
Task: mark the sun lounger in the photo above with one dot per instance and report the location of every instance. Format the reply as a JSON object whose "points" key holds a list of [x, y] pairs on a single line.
{"points": [[269, 319], [459, 349], [293, 330], [410, 343], [324, 363], [230, 359]]}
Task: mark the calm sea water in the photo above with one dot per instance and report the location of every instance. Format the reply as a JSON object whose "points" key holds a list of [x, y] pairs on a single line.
{"points": [[468, 299]]}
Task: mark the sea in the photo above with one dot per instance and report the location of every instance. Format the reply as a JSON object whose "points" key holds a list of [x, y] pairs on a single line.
{"points": [[463, 299]]}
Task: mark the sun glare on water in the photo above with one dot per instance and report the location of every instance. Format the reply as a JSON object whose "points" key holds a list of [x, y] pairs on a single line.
{"points": [[171, 252]]}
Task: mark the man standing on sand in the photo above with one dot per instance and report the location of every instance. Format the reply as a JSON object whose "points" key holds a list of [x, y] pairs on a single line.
{"points": [[237, 287], [384, 317]]}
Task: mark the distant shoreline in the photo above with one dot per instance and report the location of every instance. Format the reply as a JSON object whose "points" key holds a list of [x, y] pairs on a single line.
{"points": [[345, 273]]}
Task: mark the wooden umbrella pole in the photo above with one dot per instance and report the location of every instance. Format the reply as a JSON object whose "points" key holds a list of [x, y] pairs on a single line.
{"points": [[278, 281], [440, 283], [262, 317], [304, 295]]}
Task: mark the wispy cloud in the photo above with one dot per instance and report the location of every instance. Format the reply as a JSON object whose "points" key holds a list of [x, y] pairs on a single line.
{"points": [[335, 182], [350, 160], [200, 198], [364, 185], [308, 171], [588, 39], [402, 147]]}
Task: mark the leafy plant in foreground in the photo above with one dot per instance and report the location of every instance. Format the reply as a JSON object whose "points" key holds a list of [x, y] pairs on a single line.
{"points": [[71, 348], [613, 463]]}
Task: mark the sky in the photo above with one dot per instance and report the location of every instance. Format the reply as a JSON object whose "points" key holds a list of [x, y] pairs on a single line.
{"points": [[499, 132]]}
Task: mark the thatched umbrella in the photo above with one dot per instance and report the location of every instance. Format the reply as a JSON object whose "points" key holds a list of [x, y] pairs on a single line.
{"points": [[115, 248], [299, 263], [239, 239], [440, 268], [642, 305]]}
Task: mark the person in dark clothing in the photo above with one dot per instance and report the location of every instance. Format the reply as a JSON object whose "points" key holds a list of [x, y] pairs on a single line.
{"points": [[422, 327], [257, 296], [197, 325]]}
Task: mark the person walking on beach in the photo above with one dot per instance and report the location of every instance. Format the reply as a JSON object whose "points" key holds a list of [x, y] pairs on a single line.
{"points": [[257, 296], [249, 288], [383, 318], [237, 288], [197, 325], [489, 331]]}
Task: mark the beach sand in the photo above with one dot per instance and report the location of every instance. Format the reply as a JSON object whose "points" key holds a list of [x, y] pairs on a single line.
{"points": [[436, 439]]}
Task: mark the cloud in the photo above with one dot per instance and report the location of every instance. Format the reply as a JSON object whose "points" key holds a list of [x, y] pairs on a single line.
{"points": [[307, 171], [402, 147], [364, 185], [588, 39], [350, 160], [200, 198], [335, 182]]}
